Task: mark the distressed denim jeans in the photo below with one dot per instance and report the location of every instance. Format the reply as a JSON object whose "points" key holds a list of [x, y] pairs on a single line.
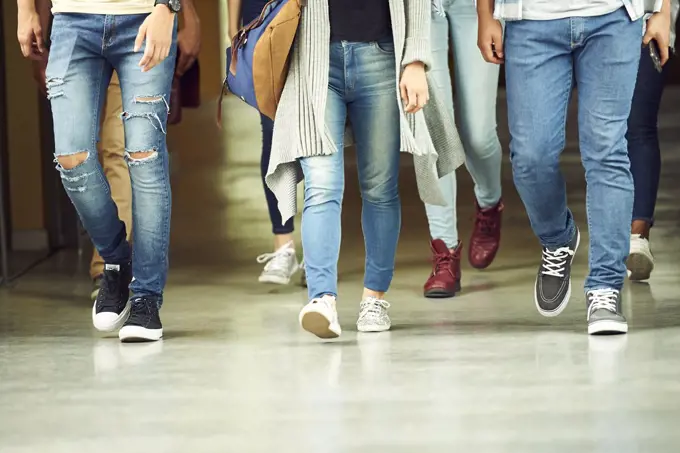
{"points": [[543, 60], [361, 88], [85, 50], [476, 84]]}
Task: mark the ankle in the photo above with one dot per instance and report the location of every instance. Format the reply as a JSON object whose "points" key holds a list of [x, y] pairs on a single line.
{"points": [[281, 240], [640, 227], [370, 293]]}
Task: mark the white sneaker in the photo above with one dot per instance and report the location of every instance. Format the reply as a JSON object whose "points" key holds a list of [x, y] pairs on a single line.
{"points": [[280, 266], [320, 317], [640, 261], [373, 315]]}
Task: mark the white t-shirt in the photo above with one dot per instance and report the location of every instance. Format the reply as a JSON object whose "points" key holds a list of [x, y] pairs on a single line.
{"points": [[103, 6], [560, 9]]}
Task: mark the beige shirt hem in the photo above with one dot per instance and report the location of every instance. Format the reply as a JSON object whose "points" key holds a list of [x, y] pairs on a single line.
{"points": [[114, 9]]}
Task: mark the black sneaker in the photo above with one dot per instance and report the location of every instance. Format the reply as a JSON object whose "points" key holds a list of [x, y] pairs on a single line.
{"points": [[553, 283], [111, 308], [96, 285], [144, 323], [604, 312]]}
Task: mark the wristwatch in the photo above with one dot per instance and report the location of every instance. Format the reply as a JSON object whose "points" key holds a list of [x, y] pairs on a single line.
{"points": [[174, 5]]}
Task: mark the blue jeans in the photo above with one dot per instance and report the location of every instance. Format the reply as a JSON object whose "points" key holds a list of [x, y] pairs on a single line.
{"points": [[543, 59], [85, 50], [476, 92], [250, 10], [643, 138], [362, 86]]}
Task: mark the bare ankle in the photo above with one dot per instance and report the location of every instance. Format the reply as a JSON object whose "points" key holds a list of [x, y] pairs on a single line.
{"points": [[283, 239], [371, 293], [640, 227]]}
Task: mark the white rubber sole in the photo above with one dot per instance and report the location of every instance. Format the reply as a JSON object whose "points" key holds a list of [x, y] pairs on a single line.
{"points": [[640, 266], [374, 328], [316, 323], [137, 333], [607, 327], [108, 321], [565, 302]]}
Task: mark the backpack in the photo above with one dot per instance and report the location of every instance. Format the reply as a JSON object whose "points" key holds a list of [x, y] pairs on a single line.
{"points": [[257, 61]]}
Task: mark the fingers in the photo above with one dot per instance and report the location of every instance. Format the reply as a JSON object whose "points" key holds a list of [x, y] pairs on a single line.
{"points": [[39, 40], [149, 50], [184, 63], [404, 93], [415, 100], [141, 35], [663, 50]]}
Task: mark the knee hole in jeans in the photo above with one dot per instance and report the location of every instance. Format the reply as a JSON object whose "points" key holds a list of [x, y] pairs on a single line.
{"points": [[71, 161], [140, 157]]}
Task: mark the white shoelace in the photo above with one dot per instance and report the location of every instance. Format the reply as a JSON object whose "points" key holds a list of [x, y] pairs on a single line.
{"points": [[554, 262], [373, 307], [603, 299], [279, 261]]}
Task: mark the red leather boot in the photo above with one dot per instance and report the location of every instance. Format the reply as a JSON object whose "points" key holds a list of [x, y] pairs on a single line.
{"points": [[486, 236], [445, 278]]}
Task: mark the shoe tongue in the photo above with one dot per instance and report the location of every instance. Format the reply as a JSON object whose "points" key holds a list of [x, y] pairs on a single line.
{"points": [[439, 246], [112, 267]]}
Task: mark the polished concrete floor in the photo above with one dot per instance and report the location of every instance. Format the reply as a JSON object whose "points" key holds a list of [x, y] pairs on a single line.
{"points": [[479, 373]]}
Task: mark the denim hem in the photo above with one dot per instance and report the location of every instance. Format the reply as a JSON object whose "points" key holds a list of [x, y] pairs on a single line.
{"points": [[563, 239], [320, 294], [648, 220], [378, 287], [617, 287]]}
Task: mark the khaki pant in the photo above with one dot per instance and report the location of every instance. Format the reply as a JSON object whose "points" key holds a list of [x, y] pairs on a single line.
{"points": [[112, 157]]}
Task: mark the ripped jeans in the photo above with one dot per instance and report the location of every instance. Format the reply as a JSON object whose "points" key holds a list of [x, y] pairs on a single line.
{"points": [[85, 50]]}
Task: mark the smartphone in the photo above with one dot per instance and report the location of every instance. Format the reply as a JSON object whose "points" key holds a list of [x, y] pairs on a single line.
{"points": [[654, 53]]}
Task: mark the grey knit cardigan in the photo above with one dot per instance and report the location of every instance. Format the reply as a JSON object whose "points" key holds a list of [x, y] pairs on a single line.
{"points": [[300, 129]]}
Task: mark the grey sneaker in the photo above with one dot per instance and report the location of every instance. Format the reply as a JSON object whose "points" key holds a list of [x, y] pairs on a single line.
{"points": [[605, 315], [280, 266], [373, 315], [553, 283]]}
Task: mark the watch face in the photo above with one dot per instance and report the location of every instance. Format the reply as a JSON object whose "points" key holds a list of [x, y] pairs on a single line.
{"points": [[175, 5]]}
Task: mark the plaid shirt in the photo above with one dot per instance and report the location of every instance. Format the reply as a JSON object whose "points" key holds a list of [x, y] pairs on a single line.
{"points": [[512, 9]]}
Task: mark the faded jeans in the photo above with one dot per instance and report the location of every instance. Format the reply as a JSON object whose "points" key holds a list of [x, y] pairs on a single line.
{"points": [[476, 90], [543, 59], [86, 48], [361, 87]]}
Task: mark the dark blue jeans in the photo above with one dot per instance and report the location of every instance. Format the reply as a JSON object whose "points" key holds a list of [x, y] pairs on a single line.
{"points": [[250, 10], [643, 138]]}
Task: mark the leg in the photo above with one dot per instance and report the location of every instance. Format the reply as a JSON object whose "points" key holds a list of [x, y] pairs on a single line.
{"points": [[374, 115], [282, 264], [145, 105], [606, 67], [645, 164], [643, 142], [112, 157], [476, 93], [539, 77], [538, 68], [442, 219], [278, 227], [321, 221], [77, 77]]}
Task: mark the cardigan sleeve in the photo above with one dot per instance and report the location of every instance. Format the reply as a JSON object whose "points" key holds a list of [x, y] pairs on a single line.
{"points": [[418, 22]]}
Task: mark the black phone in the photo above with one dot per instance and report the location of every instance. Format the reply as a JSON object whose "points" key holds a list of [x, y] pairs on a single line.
{"points": [[654, 54]]}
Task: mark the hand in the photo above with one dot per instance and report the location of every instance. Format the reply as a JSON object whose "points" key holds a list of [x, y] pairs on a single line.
{"points": [[490, 39], [189, 45], [659, 29], [413, 87], [157, 32], [29, 33], [39, 68]]}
